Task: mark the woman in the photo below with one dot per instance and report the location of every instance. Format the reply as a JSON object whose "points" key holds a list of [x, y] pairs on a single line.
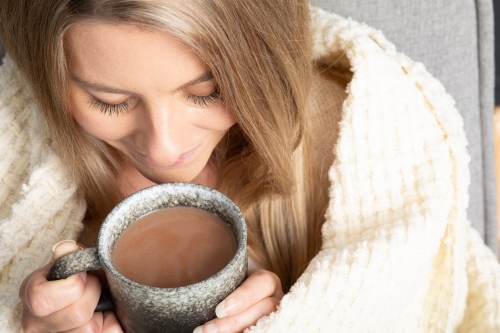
{"points": [[355, 201]]}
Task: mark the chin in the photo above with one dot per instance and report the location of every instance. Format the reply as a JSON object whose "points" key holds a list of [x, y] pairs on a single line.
{"points": [[159, 179]]}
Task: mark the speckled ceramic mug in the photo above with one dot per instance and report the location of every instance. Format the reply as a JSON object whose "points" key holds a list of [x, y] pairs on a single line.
{"points": [[143, 308]]}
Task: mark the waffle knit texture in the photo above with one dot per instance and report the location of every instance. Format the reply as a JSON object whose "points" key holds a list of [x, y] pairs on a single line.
{"points": [[398, 253], [39, 205]]}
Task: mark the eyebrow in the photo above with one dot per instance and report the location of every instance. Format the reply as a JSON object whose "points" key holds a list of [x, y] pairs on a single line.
{"points": [[101, 88], [204, 77]]}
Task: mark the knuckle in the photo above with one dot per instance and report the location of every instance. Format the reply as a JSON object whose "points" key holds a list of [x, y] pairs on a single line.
{"points": [[270, 305], [269, 280], [27, 325], [80, 315], [38, 302], [93, 327], [76, 288], [111, 324], [270, 276], [264, 308], [231, 324]]}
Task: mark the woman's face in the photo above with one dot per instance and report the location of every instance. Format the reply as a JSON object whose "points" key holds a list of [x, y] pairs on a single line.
{"points": [[147, 95]]}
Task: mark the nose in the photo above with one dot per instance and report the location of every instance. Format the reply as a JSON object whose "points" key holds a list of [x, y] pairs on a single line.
{"points": [[163, 133]]}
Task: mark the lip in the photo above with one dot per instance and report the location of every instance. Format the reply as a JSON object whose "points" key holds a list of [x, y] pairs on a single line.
{"points": [[183, 158]]}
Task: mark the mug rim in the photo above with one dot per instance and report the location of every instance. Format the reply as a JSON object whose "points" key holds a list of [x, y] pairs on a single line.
{"points": [[240, 250]]}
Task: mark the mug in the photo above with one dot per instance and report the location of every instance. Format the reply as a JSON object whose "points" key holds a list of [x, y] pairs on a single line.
{"points": [[142, 308]]}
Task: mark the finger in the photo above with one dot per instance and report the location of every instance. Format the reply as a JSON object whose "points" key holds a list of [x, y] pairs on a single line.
{"points": [[260, 284], [64, 247], [59, 249], [94, 325], [74, 315], [45, 297], [111, 323], [241, 321], [22, 289]]}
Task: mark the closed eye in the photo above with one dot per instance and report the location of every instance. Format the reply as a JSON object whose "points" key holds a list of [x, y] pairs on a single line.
{"points": [[205, 100], [109, 108]]}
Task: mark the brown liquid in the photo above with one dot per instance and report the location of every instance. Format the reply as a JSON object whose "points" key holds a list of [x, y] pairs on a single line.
{"points": [[174, 247]]}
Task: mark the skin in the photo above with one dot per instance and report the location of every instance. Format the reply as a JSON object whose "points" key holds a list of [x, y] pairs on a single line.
{"points": [[151, 98]]}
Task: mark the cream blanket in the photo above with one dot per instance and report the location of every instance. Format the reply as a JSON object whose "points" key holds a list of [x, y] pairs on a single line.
{"points": [[398, 252]]}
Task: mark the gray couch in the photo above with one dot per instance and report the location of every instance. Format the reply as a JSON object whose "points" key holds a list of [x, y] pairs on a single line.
{"points": [[454, 40]]}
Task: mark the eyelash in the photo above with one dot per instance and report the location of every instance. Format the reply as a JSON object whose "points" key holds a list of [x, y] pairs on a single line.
{"points": [[109, 108], [205, 100], [122, 107]]}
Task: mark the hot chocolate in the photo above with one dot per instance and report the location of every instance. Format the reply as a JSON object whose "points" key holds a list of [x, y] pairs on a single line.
{"points": [[174, 247]]}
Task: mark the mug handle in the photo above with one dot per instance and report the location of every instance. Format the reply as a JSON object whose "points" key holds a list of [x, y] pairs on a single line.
{"points": [[76, 262]]}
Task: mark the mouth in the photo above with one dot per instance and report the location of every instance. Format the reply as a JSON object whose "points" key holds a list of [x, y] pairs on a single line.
{"points": [[155, 165]]}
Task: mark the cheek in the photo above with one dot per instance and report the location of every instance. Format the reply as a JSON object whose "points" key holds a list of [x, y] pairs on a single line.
{"points": [[230, 118], [219, 119]]}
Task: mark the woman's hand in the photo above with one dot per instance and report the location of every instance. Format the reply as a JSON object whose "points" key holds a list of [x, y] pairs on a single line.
{"points": [[65, 305], [257, 296]]}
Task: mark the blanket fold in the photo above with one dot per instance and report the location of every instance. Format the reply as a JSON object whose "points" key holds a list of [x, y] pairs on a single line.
{"points": [[394, 257]]}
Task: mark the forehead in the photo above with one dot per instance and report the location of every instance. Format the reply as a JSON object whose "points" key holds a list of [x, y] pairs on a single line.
{"points": [[105, 50], [117, 35]]}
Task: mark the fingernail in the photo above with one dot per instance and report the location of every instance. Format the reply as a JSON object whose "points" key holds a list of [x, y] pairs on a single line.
{"points": [[226, 307], [207, 328], [62, 242], [83, 275]]}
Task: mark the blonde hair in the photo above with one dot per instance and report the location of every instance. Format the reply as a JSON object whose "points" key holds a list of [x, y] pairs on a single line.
{"points": [[259, 55]]}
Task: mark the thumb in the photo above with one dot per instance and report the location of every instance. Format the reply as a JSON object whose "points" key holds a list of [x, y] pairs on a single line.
{"points": [[63, 248]]}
